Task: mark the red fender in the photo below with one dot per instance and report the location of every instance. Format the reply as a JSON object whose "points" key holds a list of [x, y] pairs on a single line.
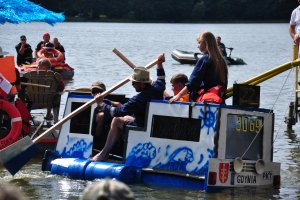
{"points": [[16, 123], [25, 115]]}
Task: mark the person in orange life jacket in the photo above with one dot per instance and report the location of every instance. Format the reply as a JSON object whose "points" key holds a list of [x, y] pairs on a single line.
{"points": [[178, 82], [41, 44], [59, 47], [51, 53], [208, 81], [99, 119], [44, 64], [133, 112]]}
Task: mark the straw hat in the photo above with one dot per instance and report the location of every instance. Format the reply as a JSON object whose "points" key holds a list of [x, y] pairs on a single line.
{"points": [[3, 53], [107, 189], [141, 75]]}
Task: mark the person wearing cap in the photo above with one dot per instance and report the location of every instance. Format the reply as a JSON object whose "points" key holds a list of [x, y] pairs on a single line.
{"points": [[24, 51], [59, 47], [41, 44], [107, 189], [134, 110], [99, 119], [51, 53]]}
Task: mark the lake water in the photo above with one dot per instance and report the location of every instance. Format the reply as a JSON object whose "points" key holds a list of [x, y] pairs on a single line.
{"points": [[89, 50]]}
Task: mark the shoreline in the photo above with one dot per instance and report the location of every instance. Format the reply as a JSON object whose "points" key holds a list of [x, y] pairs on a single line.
{"points": [[73, 19]]}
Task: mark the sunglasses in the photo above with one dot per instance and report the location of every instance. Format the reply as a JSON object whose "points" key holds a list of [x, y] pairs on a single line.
{"points": [[96, 91], [23, 39]]}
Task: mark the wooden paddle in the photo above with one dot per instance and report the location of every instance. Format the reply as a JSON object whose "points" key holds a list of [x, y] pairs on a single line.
{"points": [[16, 155], [34, 84], [128, 62]]}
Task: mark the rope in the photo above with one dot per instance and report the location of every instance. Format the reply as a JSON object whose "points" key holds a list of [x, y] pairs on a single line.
{"points": [[272, 108]]}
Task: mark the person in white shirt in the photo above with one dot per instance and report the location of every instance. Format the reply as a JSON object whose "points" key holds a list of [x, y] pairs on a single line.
{"points": [[294, 27]]}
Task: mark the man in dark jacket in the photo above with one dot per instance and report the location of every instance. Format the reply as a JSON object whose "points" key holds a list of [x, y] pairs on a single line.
{"points": [[24, 52], [133, 112], [221, 46]]}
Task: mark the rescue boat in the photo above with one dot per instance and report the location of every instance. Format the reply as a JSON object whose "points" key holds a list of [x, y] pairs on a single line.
{"points": [[188, 145], [187, 57], [64, 69]]}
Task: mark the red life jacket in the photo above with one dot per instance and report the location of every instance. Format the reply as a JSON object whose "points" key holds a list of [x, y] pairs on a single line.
{"points": [[212, 95]]}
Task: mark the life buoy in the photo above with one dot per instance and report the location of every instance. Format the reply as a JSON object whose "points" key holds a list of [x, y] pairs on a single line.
{"points": [[57, 55], [25, 115], [16, 123]]}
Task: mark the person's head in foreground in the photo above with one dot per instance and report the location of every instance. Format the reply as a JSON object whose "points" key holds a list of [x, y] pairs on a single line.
{"points": [[107, 189], [10, 192], [44, 63]]}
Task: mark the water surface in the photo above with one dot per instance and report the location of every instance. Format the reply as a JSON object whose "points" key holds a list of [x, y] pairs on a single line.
{"points": [[89, 50]]}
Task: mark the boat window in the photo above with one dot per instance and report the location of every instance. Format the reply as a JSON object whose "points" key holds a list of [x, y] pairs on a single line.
{"points": [[176, 128], [81, 122], [242, 130]]}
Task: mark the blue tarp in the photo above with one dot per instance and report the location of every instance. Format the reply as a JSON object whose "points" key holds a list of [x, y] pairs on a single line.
{"points": [[16, 11]]}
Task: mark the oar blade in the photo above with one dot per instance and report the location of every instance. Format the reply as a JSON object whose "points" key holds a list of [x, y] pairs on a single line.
{"points": [[15, 156]]}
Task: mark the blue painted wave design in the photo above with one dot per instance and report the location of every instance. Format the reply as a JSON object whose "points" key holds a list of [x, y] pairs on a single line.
{"points": [[141, 155], [178, 160], [78, 150]]}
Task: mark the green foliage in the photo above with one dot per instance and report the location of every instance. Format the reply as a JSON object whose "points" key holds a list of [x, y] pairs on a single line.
{"points": [[173, 10]]}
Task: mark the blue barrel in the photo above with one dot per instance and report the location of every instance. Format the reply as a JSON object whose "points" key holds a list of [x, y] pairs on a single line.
{"points": [[74, 168], [98, 170]]}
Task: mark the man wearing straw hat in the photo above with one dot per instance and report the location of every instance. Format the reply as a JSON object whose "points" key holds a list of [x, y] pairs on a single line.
{"points": [[133, 111]]}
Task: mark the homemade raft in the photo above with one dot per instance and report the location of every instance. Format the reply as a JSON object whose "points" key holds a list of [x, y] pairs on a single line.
{"points": [[188, 145]]}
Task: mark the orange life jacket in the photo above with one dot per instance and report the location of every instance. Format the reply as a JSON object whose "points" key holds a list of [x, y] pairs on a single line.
{"points": [[185, 98], [212, 95], [7, 68]]}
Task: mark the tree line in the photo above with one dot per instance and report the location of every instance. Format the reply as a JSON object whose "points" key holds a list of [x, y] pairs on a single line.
{"points": [[173, 10]]}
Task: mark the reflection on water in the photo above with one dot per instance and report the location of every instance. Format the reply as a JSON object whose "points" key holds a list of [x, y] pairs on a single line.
{"points": [[89, 50]]}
